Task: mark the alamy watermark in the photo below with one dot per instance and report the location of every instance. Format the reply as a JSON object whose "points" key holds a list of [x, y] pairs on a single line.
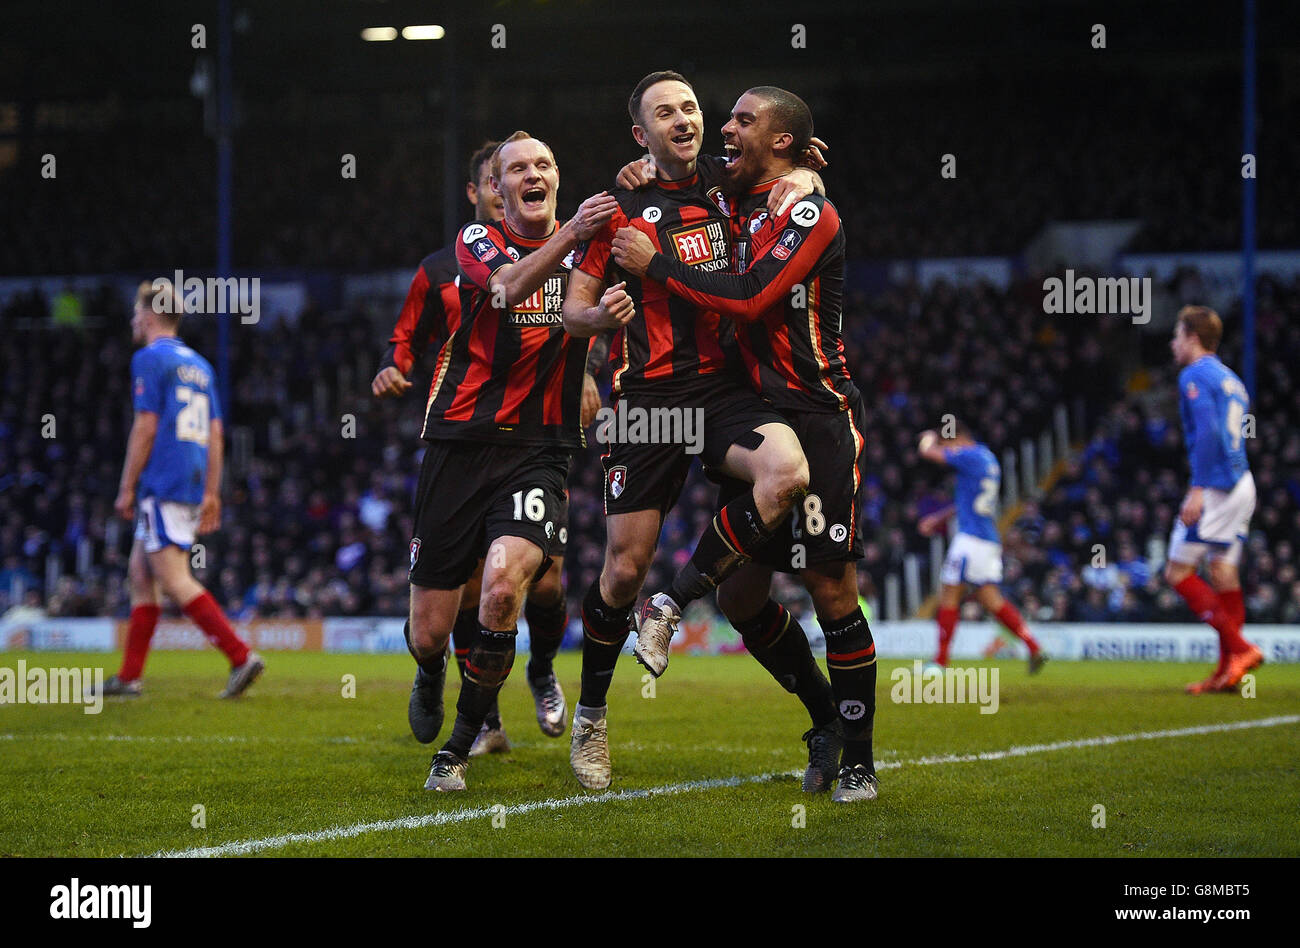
{"points": [[210, 297], [1098, 296], [934, 685], [624, 424], [25, 685]]}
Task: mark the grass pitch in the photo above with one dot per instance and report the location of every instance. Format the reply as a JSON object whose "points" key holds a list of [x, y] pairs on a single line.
{"points": [[297, 769]]}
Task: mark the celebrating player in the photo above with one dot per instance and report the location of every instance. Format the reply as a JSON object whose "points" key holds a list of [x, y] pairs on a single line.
{"points": [[975, 554], [786, 303], [669, 359], [430, 315], [502, 423], [1216, 512], [172, 475]]}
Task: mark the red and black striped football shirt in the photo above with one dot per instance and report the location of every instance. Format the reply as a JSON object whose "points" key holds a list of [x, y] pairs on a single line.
{"points": [[509, 375], [672, 344], [787, 304], [430, 314]]}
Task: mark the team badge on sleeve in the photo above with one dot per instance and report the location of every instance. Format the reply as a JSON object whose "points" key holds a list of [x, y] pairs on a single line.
{"points": [[415, 551], [484, 250], [787, 244]]}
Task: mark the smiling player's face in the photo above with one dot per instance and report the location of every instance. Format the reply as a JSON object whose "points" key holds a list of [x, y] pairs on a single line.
{"points": [[749, 141], [672, 124], [528, 184]]}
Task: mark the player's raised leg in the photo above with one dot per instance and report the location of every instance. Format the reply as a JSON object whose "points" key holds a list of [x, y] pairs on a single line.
{"points": [[770, 458]]}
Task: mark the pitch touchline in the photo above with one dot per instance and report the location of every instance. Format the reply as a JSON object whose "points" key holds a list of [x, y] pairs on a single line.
{"points": [[449, 817]]}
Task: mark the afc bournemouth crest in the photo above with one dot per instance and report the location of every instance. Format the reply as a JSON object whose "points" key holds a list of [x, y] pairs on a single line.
{"points": [[617, 479], [415, 551]]}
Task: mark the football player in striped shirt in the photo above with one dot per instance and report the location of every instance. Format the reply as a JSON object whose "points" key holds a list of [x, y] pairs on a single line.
{"points": [[785, 303], [669, 358], [171, 487], [502, 420], [430, 314], [1215, 515]]}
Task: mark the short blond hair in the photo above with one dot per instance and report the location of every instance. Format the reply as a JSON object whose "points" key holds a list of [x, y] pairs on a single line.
{"points": [[160, 297], [1203, 323], [519, 136]]}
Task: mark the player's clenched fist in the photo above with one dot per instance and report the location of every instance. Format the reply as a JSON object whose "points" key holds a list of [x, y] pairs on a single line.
{"points": [[615, 309], [633, 250], [124, 505], [389, 383], [592, 215]]}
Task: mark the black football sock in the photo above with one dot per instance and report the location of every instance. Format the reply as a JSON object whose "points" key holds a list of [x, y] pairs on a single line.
{"points": [[776, 639], [463, 635], [546, 625], [604, 630], [486, 668], [431, 666], [735, 535], [851, 658]]}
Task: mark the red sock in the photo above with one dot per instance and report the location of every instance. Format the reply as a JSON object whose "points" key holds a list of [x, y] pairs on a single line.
{"points": [[1210, 609], [947, 619], [1010, 616], [139, 631], [207, 615], [1234, 610]]}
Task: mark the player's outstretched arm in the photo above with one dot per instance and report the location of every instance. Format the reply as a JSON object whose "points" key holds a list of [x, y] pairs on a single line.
{"points": [[590, 308], [139, 445], [210, 507], [930, 449], [518, 281]]}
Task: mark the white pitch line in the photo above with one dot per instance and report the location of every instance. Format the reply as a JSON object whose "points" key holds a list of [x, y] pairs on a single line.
{"points": [[459, 816], [445, 818]]}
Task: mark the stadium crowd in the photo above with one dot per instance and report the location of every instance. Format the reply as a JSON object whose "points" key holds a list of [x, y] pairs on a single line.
{"points": [[320, 475]]}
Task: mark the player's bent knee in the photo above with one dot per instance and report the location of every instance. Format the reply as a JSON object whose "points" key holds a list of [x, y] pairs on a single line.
{"points": [[500, 602], [1175, 573]]}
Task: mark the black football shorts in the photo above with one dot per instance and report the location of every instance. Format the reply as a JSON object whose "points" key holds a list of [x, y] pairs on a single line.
{"points": [[824, 526], [472, 492], [654, 438]]}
